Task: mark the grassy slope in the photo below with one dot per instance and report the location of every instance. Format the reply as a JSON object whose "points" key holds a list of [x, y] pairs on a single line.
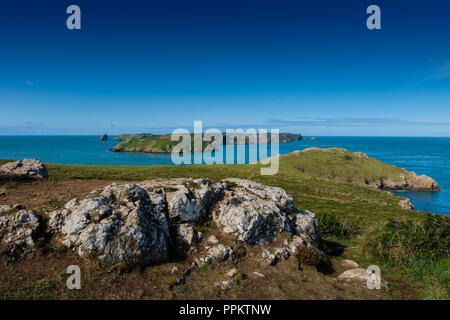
{"points": [[319, 182]]}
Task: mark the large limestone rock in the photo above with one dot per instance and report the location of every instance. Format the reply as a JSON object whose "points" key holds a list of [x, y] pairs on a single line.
{"points": [[145, 223], [30, 168], [412, 183], [422, 182], [189, 200], [19, 230], [122, 223], [256, 214]]}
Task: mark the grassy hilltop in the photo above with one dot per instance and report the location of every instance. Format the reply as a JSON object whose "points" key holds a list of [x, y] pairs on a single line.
{"points": [[357, 222], [149, 143]]}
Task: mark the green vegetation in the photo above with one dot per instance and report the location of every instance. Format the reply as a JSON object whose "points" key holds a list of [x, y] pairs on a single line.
{"points": [[149, 143], [408, 245], [124, 137], [152, 144], [340, 165], [337, 226], [420, 248]]}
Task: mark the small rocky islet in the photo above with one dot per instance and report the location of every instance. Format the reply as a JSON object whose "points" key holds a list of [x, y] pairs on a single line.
{"points": [[151, 143]]}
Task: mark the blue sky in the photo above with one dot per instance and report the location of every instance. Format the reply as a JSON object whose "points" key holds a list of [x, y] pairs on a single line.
{"points": [[301, 66]]}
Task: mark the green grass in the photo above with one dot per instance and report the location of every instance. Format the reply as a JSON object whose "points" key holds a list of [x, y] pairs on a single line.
{"points": [[339, 165], [310, 186], [420, 249], [406, 243], [163, 143]]}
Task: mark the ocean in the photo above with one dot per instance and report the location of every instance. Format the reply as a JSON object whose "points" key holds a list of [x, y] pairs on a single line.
{"points": [[430, 156]]}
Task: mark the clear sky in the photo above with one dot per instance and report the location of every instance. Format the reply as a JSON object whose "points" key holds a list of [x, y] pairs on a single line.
{"points": [[150, 66]]}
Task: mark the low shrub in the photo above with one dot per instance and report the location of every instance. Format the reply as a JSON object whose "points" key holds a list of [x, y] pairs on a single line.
{"points": [[340, 227], [400, 241]]}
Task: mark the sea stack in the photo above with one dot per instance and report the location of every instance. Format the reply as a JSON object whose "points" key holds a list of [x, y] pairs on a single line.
{"points": [[104, 137]]}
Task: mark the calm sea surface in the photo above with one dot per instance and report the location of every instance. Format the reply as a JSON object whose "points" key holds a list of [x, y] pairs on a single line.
{"points": [[430, 156]]}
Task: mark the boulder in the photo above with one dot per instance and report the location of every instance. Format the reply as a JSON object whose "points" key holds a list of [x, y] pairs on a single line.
{"points": [[347, 264], [307, 224], [213, 240], [142, 223], [188, 200], [225, 284], [19, 230], [254, 213], [29, 168], [270, 258], [406, 204], [422, 182], [361, 155], [121, 223], [104, 137], [216, 254], [185, 235], [359, 277]]}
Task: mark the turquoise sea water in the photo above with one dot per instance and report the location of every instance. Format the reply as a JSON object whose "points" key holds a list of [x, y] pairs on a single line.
{"points": [[430, 156]]}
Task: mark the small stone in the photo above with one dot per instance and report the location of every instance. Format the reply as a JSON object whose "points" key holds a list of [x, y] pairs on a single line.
{"points": [[269, 257], [225, 285], [349, 264], [174, 270], [282, 253], [232, 272], [213, 240], [219, 253]]}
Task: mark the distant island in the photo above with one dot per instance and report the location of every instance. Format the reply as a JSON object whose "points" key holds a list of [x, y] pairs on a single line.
{"points": [[152, 143]]}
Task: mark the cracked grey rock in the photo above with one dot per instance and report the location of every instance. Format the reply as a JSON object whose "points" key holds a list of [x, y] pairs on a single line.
{"points": [[19, 230], [31, 168], [121, 223]]}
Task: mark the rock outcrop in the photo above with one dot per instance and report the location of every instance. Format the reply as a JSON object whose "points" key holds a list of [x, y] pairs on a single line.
{"points": [[406, 204], [360, 277], [6, 208], [19, 230], [28, 168], [104, 137], [363, 170], [411, 182], [122, 223], [146, 223], [256, 214]]}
